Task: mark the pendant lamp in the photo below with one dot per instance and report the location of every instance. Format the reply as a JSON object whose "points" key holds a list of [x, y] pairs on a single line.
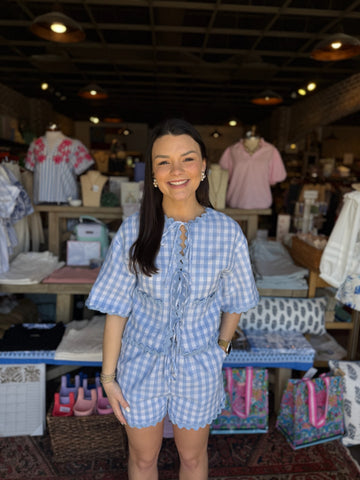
{"points": [[93, 92], [267, 97], [338, 46], [57, 27]]}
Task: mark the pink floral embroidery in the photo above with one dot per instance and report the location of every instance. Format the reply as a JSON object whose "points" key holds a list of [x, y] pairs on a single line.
{"points": [[82, 155], [57, 158]]}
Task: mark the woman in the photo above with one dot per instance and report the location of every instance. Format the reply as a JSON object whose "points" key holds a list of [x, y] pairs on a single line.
{"points": [[173, 285]]}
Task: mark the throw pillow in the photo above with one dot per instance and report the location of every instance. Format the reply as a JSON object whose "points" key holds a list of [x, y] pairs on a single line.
{"points": [[304, 315], [351, 399]]}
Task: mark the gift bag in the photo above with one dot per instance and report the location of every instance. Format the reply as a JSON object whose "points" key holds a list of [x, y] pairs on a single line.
{"points": [[311, 411], [246, 402]]}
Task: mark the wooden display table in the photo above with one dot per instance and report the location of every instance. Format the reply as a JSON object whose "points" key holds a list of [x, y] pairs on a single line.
{"points": [[57, 215]]}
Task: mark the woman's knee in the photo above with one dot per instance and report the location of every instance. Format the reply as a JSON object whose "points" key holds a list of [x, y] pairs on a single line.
{"points": [[143, 460], [144, 446], [192, 462]]}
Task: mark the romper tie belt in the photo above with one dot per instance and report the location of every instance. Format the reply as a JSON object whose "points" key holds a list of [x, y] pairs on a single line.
{"points": [[180, 290]]}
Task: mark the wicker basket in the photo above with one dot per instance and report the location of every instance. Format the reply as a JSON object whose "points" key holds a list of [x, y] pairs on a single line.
{"points": [[305, 254], [79, 437]]}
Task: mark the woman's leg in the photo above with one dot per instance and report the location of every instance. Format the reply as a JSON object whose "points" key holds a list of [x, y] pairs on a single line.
{"points": [[192, 448], [144, 447]]}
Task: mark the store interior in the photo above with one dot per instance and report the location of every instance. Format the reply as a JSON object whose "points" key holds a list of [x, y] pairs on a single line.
{"points": [[262, 85]]}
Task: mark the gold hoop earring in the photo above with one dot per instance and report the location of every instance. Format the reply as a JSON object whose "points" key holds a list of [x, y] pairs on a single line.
{"points": [[155, 183], [203, 176]]}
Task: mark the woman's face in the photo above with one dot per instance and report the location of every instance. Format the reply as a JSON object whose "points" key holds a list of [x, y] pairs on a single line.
{"points": [[177, 166]]}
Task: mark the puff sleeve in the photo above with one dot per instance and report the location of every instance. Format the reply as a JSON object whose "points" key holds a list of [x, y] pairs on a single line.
{"points": [[113, 289], [238, 288]]}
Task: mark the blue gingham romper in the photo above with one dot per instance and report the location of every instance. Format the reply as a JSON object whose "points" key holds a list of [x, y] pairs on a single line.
{"points": [[170, 361]]}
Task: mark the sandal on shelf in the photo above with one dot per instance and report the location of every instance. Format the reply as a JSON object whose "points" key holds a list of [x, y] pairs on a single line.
{"points": [[61, 409], [66, 387], [103, 406], [84, 407], [87, 388]]}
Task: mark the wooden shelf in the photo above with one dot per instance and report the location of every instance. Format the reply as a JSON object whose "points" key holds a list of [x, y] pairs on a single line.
{"points": [[339, 325]]}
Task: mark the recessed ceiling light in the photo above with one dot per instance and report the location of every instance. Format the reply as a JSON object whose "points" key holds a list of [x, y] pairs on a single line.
{"points": [[311, 86]]}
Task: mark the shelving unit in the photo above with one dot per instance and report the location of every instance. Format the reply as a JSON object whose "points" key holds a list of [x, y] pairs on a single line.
{"points": [[311, 262]]}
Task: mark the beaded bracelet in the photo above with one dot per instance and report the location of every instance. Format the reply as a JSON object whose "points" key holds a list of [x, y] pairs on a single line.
{"points": [[107, 378]]}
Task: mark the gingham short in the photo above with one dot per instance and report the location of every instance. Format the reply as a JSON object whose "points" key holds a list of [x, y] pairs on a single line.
{"points": [[187, 387]]}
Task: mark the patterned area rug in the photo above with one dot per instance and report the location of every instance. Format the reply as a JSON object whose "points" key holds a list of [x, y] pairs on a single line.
{"points": [[244, 457]]}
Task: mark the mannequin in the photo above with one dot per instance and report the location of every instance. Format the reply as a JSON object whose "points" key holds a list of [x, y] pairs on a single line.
{"points": [[254, 165], [218, 181], [251, 141], [56, 161], [53, 135], [92, 184]]}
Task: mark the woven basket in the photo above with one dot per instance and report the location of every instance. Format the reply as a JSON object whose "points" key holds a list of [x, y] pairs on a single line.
{"points": [[79, 437], [305, 254]]}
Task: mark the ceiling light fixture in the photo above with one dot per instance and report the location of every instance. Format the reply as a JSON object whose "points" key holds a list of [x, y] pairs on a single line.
{"points": [[215, 134], [93, 92], [233, 122], [112, 120], [44, 86], [338, 46], [302, 91], [94, 120], [311, 86], [127, 131], [57, 27], [267, 97]]}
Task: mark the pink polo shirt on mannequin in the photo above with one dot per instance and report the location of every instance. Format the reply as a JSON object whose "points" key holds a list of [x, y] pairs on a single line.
{"points": [[252, 174]]}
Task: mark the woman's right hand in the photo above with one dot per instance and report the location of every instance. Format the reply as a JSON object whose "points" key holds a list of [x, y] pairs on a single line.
{"points": [[116, 398]]}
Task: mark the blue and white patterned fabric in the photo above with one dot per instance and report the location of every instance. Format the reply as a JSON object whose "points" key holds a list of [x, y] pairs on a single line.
{"points": [[349, 292], [170, 361], [274, 314], [23, 206], [8, 196], [351, 372], [15, 204], [273, 349]]}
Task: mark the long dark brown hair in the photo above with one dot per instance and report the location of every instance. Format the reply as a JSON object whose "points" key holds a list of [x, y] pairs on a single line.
{"points": [[145, 249]]}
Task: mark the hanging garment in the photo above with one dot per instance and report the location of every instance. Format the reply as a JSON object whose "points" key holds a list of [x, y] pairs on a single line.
{"points": [[341, 256], [15, 204], [36, 230], [8, 194], [23, 208], [56, 169], [251, 175]]}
